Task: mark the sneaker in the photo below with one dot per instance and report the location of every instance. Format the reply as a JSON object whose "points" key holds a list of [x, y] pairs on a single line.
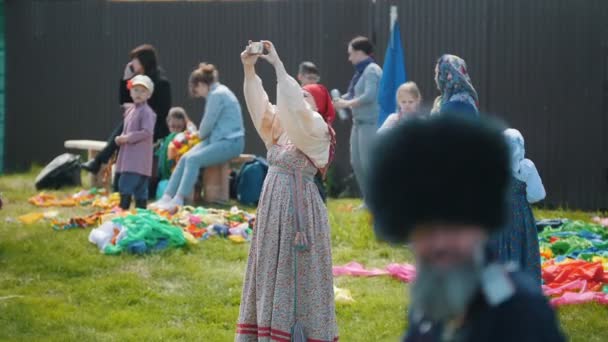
{"points": [[164, 200], [171, 206]]}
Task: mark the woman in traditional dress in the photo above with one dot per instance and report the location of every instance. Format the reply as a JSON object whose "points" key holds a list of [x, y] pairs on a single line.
{"points": [[517, 242], [288, 291]]}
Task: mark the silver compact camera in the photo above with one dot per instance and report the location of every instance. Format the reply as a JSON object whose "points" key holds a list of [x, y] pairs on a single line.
{"points": [[256, 48]]}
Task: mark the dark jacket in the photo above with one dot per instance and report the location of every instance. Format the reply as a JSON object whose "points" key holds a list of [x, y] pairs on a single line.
{"points": [[460, 108], [525, 316], [160, 102]]}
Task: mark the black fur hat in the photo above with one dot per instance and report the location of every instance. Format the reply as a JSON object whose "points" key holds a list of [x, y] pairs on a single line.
{"points": [[445, 169]]}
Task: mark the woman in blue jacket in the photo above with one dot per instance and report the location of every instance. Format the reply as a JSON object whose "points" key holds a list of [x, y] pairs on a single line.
{"points": [[221, 131]]}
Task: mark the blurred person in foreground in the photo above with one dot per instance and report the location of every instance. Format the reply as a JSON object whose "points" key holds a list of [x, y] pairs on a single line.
{"points": [[449, 196]]}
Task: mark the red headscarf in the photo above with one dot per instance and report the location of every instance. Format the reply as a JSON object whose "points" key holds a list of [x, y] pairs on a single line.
{"points": [[323, 101]]}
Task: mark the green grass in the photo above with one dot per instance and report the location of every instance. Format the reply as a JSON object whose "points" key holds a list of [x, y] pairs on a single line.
{"points": [[56, 286]]}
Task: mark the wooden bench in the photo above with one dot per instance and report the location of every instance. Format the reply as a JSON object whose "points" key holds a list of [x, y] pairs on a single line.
{"points": [[92, 147], [215, 182]]}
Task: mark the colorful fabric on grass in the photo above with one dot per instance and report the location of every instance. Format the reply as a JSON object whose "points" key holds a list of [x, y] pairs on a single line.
{"points": [[98, 198], [144, 231], [575, 262]]}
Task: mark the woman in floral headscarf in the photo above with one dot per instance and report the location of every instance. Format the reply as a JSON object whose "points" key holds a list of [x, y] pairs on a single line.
{"points": [[454, 83]]}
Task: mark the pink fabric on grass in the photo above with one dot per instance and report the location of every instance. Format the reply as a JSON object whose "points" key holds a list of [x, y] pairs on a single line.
{"points": [[578, 284], [356, 269], [580, 298], [403, 272], [195, 220], [407, 273], [601, 220]]}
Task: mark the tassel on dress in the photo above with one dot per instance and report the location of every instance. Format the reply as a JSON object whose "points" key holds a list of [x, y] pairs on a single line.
{"points": [[297, 332], [301, 242]]}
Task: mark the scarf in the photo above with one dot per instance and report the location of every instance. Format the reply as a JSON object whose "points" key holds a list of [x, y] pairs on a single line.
{"points": [[323, 101], [454, 82], [359, 68], [516, 145]]}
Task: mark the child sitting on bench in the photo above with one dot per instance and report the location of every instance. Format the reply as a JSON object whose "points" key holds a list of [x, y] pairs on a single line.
{"points": [[178, 122]]}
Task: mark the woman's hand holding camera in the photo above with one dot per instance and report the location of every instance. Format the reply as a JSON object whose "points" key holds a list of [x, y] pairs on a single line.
{"points": [[263, 49]]}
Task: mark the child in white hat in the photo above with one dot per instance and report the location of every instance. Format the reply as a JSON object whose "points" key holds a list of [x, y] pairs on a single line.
{"points": [[136, 145]]}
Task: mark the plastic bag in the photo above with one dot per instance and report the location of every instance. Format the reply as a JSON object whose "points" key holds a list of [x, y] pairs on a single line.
{"points": [[102, 236]]}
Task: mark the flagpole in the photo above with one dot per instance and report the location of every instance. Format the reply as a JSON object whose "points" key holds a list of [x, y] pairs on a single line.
{"points": [[373, 21], [393, 16]]}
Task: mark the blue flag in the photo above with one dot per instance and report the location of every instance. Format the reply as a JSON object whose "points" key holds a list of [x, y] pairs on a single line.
{"points": [[393, 75]]}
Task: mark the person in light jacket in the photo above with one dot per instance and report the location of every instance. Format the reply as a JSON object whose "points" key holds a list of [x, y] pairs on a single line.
{"points": [[221, 132], [362, 99]]}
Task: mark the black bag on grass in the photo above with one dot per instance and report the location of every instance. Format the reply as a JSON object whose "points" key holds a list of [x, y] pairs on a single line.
{"points": [[64, 170]]}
